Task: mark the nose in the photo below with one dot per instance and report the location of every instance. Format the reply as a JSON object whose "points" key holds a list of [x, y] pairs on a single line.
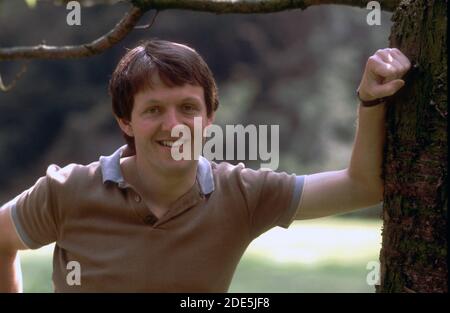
{"points": [[170, 120]]}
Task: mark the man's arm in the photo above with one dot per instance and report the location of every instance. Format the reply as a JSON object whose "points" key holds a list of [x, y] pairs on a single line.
{"points": [[360, 185], [10, 272]]}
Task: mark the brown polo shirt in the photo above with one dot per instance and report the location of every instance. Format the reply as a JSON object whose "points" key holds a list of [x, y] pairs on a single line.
{"points": [[99, 221]]}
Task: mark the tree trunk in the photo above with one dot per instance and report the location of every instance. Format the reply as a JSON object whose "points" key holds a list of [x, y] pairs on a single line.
{"points": [[414, 251]]}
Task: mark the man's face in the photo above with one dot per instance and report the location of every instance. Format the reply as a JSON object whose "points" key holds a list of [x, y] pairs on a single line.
{"points": [[155, 112]]}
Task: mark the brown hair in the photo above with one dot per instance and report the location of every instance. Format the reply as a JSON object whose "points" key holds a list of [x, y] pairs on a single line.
{"points": [[176, 65]]}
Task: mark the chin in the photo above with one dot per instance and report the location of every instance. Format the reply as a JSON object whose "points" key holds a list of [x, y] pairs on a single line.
{"points": [[177, 166], [161, 158]]}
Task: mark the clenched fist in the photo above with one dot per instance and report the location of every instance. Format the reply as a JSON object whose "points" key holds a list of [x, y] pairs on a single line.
{"points": [[383, 73]]}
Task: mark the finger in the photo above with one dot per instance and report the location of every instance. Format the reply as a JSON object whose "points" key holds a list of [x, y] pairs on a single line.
{"points": [[400, 63], [399, 68], [401, 58], [389, 88], [388, 57], [380, 68], [385, 55]]}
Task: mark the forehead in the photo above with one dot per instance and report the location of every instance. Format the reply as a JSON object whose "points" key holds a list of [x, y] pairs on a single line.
{"points": [[160, 92]]}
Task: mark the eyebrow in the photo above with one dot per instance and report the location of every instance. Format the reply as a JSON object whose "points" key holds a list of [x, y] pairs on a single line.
{"points": [[187, 99], [190, 99]]}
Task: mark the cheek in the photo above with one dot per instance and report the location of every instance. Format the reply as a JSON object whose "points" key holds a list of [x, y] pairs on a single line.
{"points": [[145, 129]]}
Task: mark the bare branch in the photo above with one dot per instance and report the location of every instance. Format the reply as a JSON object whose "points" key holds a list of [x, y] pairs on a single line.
{"points": [[129, 21], [252, 6], [148, 25], [386, 5], [85, 3], [238, 6], [97, 46]]}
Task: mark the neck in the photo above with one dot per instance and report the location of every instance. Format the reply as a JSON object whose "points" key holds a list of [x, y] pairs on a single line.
{"points": [[162, 187]]}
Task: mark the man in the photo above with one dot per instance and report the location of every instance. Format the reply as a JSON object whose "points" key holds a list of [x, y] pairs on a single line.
{"points": [[139, 220]]}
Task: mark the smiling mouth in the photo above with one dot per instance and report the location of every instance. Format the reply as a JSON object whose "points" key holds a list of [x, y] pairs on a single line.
{"points": [[169, 143]]}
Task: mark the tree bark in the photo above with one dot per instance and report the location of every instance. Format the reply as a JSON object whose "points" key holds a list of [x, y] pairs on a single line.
{"points": [[414, 251]]}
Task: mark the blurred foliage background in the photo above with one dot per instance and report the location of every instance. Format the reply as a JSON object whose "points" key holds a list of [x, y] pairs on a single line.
{"points": [[297, 69]]}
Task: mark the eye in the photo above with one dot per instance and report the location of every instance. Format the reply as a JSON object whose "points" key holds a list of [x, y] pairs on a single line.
{"points": [[152, 110], [189, 108]]}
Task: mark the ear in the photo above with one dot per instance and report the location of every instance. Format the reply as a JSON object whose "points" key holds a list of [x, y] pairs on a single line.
{"points": [[126, 126], [210, 119]]}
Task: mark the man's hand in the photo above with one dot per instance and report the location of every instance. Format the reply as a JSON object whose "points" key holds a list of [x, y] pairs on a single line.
{"points": [[382, 74]]}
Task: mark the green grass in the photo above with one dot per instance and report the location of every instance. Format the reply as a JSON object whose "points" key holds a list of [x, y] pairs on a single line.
{"points": [[323, 255], [254, 275], [37, 273]]}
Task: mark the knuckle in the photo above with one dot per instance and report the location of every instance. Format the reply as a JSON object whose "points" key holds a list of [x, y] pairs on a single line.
{"points": [[390, 68], [371, 60], [374, 59]]}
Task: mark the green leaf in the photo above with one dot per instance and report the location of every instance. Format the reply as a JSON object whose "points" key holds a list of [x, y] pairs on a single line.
{"points": [[31, 3]]}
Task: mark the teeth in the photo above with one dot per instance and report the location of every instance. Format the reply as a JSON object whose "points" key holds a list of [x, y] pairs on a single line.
{"points": [[170, 143]]}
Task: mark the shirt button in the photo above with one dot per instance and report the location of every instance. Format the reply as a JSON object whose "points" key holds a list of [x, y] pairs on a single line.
{"points": [[150, 219], [137, 198]]}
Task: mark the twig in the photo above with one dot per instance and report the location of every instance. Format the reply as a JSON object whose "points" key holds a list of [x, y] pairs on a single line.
{"points": [[97, 46], [6, 88], [148, 25]]}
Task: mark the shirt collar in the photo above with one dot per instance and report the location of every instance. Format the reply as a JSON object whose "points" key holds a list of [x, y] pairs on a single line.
{"points": [[110, 167]]}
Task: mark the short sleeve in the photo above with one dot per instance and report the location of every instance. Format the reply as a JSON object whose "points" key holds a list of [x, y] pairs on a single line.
{"points": [[33, 214], [276, 198]]}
